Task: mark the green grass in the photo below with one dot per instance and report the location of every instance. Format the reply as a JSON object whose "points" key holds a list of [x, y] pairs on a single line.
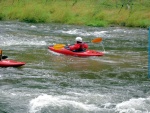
{"points": [[100, 13]]}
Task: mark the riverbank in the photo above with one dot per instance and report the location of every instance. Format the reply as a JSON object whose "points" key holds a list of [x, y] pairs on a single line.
{"points": [[100, 13]]}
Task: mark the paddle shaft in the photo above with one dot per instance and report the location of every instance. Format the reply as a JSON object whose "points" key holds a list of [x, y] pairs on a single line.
{"points": [[60, 46]]}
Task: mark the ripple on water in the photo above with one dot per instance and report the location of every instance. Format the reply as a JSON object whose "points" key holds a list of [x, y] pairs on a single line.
{"points": [[116, 82]]}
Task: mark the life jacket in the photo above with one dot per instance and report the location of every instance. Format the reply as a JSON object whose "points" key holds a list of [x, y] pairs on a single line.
{"points": [[81, 48]]}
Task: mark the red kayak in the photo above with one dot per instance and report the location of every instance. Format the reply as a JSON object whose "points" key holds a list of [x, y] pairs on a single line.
{"points": [[86, 53], [11, 63]]}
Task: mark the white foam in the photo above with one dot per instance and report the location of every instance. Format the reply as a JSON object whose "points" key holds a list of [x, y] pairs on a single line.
{"points": [[99, 33], [118, 30], [84, 33], [139, 105], [27, 42], [32, 26], [58, 101], [108, 61], [74, 31], [55, 53]]}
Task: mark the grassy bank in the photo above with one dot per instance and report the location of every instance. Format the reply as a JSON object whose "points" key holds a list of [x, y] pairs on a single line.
{"points": [[135, 13]]}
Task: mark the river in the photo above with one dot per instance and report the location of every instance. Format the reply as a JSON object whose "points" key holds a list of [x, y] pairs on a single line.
{"points": [[52, 83]]}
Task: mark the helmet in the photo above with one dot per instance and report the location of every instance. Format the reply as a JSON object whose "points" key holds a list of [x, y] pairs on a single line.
{"points": [[79, 39]]}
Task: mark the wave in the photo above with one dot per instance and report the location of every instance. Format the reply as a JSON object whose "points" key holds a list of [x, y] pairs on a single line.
{"points": [[84, 33], [134, 105], [58, 103]]}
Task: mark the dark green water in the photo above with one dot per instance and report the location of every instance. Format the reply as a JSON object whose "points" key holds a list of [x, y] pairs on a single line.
{"points": [[50, 83]]}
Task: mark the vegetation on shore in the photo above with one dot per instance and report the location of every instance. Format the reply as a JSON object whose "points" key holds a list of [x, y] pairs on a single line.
{"points": [[130, 13]]}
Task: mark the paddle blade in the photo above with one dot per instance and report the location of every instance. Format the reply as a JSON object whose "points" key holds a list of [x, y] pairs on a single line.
{"points": [[0, 52], [4, 57], [96, 40], [59, 46]]}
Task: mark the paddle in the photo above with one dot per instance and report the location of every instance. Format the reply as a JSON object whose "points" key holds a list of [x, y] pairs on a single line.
{"points": [[59, 46], [4, 57], [96, 40]]}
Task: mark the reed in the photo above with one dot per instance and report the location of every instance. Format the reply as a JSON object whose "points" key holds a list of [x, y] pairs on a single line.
{"points": [[81, 12]]}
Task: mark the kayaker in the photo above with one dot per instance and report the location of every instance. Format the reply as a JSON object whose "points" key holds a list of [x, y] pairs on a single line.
{"points": [[0, 54], [79, 45]]}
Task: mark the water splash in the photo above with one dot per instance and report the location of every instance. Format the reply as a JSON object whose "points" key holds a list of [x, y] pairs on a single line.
{"points": [[58, 103], [139, 105]]}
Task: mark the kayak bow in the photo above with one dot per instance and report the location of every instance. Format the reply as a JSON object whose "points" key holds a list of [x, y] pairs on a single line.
{"points": [[11, 63]]}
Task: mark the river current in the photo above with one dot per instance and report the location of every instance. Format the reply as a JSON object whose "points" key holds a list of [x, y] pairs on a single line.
{"points": [[52, 83]]}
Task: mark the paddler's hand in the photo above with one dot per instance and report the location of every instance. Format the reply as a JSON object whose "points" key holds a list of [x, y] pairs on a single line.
{"points": [[67, 46]]}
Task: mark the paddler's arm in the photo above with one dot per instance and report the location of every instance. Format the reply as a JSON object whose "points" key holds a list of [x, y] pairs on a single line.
{"points": [[0, 54], [74, 47]]}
